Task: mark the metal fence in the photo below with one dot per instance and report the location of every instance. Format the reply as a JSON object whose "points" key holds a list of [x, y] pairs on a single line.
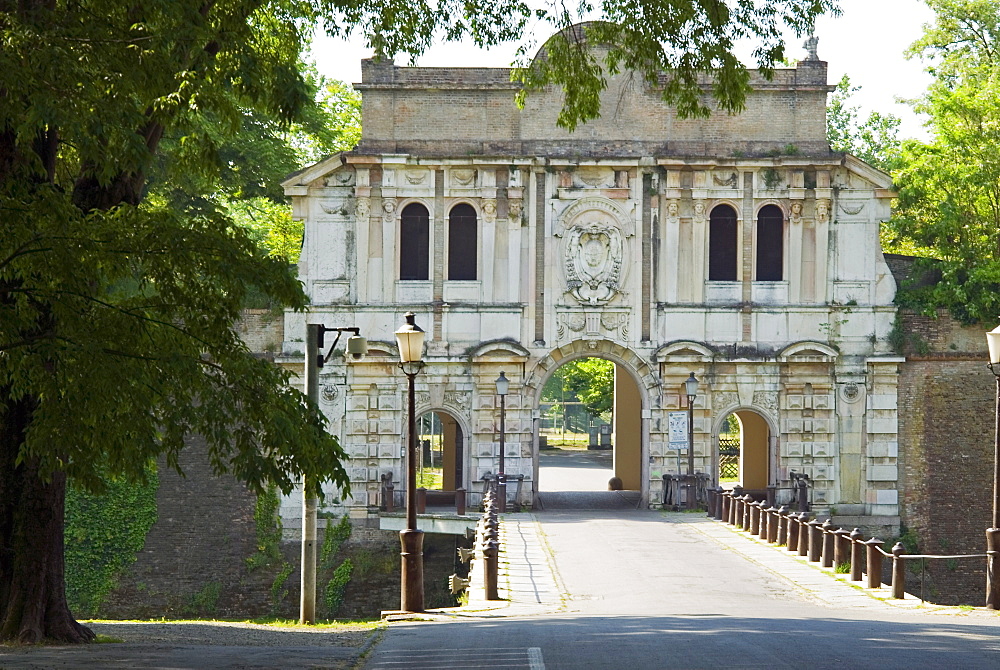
{"points": [[729, 457]]}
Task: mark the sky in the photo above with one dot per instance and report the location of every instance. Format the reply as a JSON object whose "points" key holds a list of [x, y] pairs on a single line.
{"points": [[866, 42]]}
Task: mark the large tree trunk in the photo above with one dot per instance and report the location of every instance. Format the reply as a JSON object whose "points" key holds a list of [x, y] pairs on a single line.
{"points": [[32, 580]]}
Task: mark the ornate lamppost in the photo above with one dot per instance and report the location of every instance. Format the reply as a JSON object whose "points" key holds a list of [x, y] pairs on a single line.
{"points": [[993, 533], [410, 339], [503, 385], [691, 389]]}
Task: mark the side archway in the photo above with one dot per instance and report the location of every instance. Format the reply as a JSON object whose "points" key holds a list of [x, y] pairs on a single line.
{"points": [[754, 466]]}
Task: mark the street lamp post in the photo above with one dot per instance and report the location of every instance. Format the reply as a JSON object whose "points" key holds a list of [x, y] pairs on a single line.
{"points": [[691, 388], [410, 338], [993, 533], [503, 385], [357, 347]]}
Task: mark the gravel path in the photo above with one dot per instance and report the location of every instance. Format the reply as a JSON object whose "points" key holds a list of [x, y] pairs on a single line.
{"points": [[201, 644]]}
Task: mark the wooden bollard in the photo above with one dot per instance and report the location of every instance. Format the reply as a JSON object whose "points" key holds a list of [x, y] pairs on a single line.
{"points": [[460, 501], [841, 547], [421, 501], [898, 572], [754, 518], [857, 555], [782, 536], [874, 560], [773, 521]]}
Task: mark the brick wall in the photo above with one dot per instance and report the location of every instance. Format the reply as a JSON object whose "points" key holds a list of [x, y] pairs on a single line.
{"points": [[946, 422]]}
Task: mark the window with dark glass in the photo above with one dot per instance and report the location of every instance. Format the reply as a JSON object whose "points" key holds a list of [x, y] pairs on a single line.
{"points": [[722, 244], [770, 243], [463, 254], [414, 242]]}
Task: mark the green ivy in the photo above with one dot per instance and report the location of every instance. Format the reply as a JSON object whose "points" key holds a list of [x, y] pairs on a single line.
{"points": [[267, 526], [103, 534], [333, 539], [333, 594]]}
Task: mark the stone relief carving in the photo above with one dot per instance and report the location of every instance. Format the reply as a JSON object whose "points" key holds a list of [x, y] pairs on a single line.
{"points": [[766, 399], [573, 322], [342, 178], [388, 209], [490, 210], [463, 177], [725, 399], [416, 177], [593, 259], [459, 399], [810, 45], [673, 210], [595, 177], [333, 208], [363, 209], [329, 392], [795, 215], [822, 210], [850, 392], [616, 323], [699, 210], [514, 210], [852, 208], [729, 179]]}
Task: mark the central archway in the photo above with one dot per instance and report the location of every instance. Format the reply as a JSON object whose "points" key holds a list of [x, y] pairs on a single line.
{"points": [[745, 453], [625, 435]]}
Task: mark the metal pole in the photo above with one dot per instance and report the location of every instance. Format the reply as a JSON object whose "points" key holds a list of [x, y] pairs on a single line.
{"points": [[411, 540], [993, 533], [307, 600], [691, 492], [502, 477]]}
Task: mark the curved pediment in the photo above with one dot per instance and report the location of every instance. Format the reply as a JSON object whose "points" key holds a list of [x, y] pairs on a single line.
{"points": [[505, 349], [682, 351], [808, 352]]}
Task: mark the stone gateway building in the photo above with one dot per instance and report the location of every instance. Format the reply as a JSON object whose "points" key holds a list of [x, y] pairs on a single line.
{"points": [[737, 247]]}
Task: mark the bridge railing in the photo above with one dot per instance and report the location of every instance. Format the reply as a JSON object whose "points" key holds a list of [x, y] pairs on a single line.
{"points": [[821, 541]]}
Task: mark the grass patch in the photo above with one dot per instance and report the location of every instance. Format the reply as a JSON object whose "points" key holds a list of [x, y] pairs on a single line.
{"points": [[107, 639], [843, 568], [354, 624]]}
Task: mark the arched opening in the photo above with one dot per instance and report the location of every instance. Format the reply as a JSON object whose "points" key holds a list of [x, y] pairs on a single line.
{"points": [[590, 430], [414, 242], [440, 457], [463, 250], [770, 243], [722, 244], [744, 444]]}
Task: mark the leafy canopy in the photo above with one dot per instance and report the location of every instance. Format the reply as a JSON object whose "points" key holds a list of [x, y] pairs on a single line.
{"points": [[874, 140], [691, 41], [117, 296], [949, 188]]}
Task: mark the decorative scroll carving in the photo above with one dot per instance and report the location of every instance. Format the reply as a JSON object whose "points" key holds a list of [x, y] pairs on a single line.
{"points": [[593, 263], [725, 399], [460, 399], [573, 321]]}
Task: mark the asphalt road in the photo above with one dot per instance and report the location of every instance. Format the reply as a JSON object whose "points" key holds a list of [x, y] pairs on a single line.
{"points": [[643, 591]]}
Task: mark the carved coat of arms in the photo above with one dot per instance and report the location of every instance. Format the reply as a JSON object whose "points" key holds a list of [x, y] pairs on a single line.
{"points": [[593, 263]]}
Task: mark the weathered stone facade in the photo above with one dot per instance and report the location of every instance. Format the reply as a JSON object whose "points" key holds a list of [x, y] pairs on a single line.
{"points": [[612, 241]]}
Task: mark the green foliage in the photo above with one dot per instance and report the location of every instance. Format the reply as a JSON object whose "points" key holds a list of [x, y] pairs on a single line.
{"points": [[206, 601], [587, 380], [333, 540], [874, 140], [267, 527], [117, 296], [278, 590], [333, 593], [842, 568], [689, 39], [103, 534], [949, 188], [336, 585]]}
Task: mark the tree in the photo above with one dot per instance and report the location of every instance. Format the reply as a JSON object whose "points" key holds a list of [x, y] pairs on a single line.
{"points": [[117, 295], [116, 305], [676, 46], [949, 188], [587, 380], [874, 140]]}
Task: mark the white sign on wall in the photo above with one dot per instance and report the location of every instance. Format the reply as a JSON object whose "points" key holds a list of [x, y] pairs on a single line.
{"points": [[677, 423]]}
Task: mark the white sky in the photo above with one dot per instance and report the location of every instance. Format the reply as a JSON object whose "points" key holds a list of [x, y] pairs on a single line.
{"points": [[866, 42]]}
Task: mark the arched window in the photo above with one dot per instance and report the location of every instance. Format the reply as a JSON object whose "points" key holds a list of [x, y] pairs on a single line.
{"points": [[463, 254], [722, 244], [770, 243], [414, 242]]}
